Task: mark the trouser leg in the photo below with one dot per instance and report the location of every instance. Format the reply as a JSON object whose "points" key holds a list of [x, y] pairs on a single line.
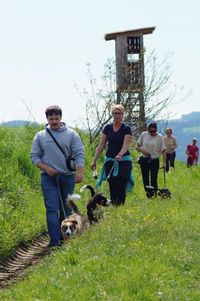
{"points": [[145, 167], [154, 168], [167, 162], [66, 186], [52, 204], [117, 187], [189, 161], [54, 210], [172, 159], [117, 184]]}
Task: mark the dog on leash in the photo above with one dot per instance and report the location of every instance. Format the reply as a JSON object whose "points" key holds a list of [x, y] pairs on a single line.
{"points": [[75, 223], [95, 202], [165, 193]]}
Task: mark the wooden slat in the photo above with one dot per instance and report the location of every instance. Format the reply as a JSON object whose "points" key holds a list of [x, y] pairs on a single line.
{"points": [[139, 31]]}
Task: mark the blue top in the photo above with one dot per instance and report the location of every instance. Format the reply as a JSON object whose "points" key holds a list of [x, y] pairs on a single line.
{"points": [[116, 139]]}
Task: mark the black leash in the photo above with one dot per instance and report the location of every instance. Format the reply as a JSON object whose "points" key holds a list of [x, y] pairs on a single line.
{"points": [[60, 197], [164, 175], [165, 192]]}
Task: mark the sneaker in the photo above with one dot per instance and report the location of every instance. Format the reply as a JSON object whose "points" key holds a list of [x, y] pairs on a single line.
{"points": [[151, 195], [55, 244]]}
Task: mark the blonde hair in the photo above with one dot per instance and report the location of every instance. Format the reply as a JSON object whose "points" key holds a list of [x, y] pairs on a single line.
{"points": [[168, 130], [118, 107]]}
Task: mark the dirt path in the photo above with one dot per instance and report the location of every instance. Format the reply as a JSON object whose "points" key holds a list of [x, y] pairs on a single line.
{"points": [[15, 267]]}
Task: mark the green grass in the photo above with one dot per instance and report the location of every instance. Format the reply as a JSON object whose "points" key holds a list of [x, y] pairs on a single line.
{"points": [[146, 250], [20, 196]]}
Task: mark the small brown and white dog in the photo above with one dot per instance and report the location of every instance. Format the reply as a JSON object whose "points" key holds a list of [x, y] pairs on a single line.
{"points": [[95, 203], [75, 223]]}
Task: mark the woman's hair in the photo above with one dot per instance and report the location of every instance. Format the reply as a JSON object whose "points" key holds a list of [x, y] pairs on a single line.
{"points": [[53, 110], [118, 107], [168, 130]]}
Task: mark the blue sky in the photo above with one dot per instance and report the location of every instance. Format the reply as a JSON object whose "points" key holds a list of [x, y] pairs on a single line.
{"points": [[46, 44]]}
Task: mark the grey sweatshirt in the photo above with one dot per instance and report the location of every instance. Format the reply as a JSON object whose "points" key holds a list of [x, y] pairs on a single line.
{"points": [[45, 149]]}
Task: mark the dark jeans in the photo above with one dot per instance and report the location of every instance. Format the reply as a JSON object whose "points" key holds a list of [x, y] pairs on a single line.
{"points": [[54, 209], [170, 158], [117, 185], [149, 171]]}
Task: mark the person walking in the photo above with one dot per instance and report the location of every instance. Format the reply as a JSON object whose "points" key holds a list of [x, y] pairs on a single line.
{"points": [[192, 153], [171, 145], [117, 168], [52, 149], [151, 144]]}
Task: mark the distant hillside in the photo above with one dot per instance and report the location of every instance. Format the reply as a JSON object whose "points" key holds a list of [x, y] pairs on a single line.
{"points": [[16, 123], [184, 129]]}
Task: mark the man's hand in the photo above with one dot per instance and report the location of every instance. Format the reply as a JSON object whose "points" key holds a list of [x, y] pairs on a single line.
{"points": [[46, 168], [79, 175], [50, 171]]}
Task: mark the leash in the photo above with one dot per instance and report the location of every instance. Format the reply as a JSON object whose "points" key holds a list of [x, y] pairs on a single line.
{"points": [[164, 177], [164, 174], [108, 176], [60, 197]]}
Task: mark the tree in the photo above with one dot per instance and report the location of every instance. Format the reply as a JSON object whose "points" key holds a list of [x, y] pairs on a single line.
{"points": [[98, 101], [141, 108]]}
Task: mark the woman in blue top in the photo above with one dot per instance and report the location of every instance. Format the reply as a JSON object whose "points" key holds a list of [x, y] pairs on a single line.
{"points": [[117, 137]]}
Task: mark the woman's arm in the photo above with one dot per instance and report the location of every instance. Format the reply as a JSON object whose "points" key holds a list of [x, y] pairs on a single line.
{"points": [[99, 149], [174, 146], [126, 143], [141, 149]]}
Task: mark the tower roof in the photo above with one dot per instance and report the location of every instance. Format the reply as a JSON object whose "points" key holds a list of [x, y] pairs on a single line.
{"points": [[139, 31]]}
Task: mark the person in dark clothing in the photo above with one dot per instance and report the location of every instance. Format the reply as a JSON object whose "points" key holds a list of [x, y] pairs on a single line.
{"points": [[151, 144], [118, 165]]}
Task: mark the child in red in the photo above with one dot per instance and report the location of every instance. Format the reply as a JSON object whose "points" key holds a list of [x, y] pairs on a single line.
{"points": [[192, 152]]}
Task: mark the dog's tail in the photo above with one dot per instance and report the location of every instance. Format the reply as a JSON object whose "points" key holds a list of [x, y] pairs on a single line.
{"points": [[70, 202], [88, 187]]}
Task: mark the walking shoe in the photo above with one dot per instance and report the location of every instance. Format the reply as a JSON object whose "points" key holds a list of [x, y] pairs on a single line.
{"points": [[55, 244]]}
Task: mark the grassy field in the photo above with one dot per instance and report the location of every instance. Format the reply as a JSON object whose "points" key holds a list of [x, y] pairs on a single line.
{"points": [[146, 250]]}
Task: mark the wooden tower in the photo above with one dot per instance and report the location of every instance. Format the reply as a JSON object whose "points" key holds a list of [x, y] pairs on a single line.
{"points": [[130, 77]]}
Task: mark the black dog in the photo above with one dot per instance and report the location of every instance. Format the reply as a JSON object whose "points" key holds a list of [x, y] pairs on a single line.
{"points": [[165, 193], [94, 203]]}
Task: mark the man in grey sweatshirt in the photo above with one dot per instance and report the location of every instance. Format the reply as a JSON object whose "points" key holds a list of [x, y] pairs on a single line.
{"points": [[57, 178]]}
